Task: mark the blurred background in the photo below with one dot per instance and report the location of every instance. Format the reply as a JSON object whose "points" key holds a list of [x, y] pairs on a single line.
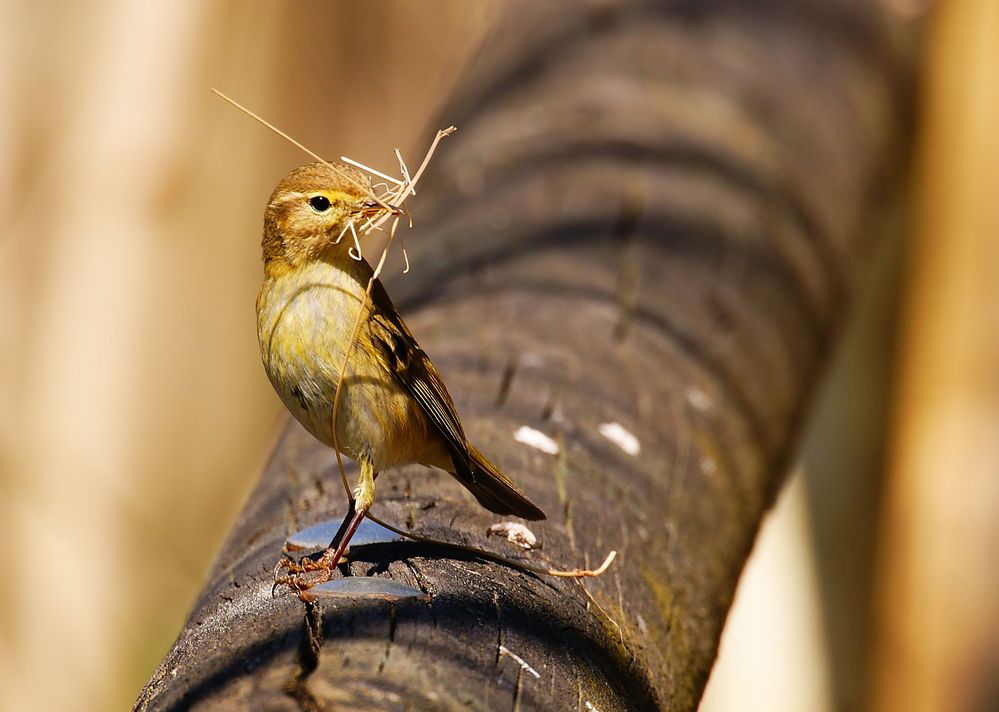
{"points": [[138, 416]]}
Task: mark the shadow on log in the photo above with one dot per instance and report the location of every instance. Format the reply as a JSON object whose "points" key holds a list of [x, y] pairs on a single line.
{"points": [[638, 244]]}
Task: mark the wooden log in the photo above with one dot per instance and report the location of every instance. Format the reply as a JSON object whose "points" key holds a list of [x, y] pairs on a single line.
{"points": [[637, 245]]}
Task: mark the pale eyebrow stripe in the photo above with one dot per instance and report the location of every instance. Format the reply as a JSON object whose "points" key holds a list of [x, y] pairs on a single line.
{"points": [[287, 197], [296, 195]]}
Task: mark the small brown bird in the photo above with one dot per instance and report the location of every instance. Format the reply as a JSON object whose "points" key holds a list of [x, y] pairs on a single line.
{"points": [[394, 409]]}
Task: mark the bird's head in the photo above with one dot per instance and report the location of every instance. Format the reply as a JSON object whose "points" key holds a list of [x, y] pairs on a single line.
{"points": [[309, 210]]}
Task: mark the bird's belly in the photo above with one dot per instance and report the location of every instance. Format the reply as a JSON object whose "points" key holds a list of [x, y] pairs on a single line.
{"points": [[303, 336]]}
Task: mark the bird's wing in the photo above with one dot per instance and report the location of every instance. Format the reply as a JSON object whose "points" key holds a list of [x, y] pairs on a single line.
{"points": [[412, 368]]}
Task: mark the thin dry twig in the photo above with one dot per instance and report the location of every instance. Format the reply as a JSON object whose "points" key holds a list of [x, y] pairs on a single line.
{"points": [[482, 553], [372, 171], [350, 179], [586, 573]]}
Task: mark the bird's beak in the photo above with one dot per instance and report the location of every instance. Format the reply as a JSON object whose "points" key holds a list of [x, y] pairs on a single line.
{"points": [[370, 208]]}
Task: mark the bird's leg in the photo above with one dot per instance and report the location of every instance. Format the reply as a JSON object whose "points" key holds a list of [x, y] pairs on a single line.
{"points": [[338, 537], [321, 569], [311, 562], [364, 497]]}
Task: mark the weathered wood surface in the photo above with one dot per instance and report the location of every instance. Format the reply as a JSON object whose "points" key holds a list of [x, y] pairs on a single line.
{"points": [[651, 216]]}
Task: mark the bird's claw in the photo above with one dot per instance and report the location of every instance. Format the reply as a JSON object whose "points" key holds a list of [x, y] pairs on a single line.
{"points": [[301, 575]]}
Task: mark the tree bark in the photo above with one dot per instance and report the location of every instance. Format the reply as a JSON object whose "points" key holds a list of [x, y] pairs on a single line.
{"points": [[651, 216]]}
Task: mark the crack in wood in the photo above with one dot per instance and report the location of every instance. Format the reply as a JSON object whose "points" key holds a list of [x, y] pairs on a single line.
{"points": [[506, 381], [629, 268], [309, 647]]}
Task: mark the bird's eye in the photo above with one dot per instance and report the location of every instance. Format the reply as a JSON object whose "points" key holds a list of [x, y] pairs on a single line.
{"points": [[319, 203]]}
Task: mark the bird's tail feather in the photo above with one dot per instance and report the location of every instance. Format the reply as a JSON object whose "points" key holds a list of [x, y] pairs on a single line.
{"points": [[492, 488]]}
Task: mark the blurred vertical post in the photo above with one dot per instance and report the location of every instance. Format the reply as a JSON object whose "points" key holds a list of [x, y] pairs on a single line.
{"points": [[939, 594]]}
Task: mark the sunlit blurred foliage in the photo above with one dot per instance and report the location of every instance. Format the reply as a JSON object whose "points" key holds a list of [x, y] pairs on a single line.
{"points": [[136, 414]]}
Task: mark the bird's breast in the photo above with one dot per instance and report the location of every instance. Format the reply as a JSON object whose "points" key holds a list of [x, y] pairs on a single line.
{"points": [[305, 319]]}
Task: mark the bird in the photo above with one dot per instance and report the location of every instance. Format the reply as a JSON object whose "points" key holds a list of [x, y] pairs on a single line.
{"points": [[394, 409]]}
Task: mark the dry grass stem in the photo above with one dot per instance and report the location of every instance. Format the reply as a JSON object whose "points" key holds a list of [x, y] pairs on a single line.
{"points": [[372, 171], [585, 573], [490, 556]]}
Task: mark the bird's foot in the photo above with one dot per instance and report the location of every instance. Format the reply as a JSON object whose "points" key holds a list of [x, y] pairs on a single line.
{"points": [[299, 576], [313, 570]]}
